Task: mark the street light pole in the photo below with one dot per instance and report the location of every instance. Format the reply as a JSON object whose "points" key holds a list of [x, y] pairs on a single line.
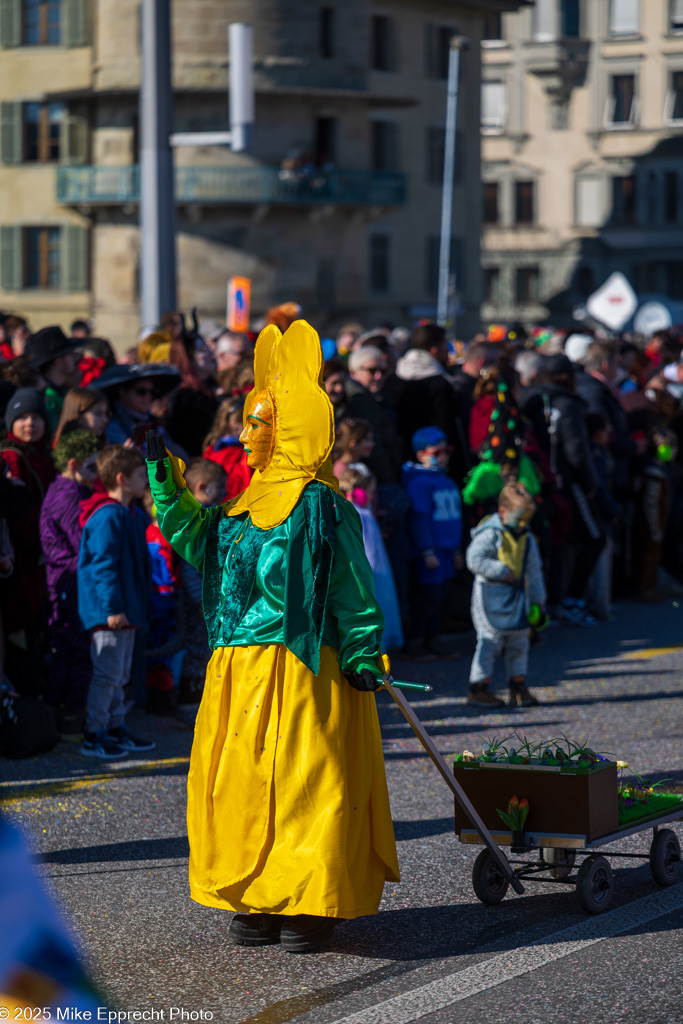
{"points": [[157, 191], [157, 200], [457, 44]]}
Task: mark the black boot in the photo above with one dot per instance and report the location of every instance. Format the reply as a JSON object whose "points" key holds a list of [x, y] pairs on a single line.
{"points": [[304, 933], [255, 929]]}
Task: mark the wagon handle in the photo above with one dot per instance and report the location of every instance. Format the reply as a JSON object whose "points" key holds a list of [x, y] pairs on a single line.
{"points": [[452, 783]]}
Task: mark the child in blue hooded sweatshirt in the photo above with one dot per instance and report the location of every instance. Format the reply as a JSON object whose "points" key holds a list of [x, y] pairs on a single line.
{"points": [[435, 526]]}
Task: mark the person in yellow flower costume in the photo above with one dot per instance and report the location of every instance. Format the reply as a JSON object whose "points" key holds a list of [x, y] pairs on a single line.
{"points": [[288, 812]]}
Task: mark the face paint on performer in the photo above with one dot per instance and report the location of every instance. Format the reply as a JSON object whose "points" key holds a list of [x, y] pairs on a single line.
{"points": [[257, 436]]}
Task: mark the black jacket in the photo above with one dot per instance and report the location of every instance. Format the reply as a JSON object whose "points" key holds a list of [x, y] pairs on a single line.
{"points": [[386, 459], [600, 399], [556, 417]]}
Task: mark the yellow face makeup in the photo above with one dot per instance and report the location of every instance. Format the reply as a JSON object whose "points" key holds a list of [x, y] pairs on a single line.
{"points": [[257, 436]]}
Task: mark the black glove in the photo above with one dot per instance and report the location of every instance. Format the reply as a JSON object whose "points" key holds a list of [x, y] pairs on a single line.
{"points": [[156, 452], [365, 680]]}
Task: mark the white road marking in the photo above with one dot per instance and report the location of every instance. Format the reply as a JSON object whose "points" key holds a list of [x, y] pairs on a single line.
{"points": [[503, 967]]}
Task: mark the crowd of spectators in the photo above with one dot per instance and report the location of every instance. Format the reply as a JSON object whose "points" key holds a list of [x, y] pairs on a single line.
{"points": [[589, 423]]}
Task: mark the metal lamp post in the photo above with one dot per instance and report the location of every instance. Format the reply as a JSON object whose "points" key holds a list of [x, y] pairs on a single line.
{"points": [[458, 43], [157, 194]]}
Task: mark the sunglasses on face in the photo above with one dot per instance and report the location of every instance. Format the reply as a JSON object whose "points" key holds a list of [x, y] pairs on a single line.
{"points": [[143, 391], [376, 371]]}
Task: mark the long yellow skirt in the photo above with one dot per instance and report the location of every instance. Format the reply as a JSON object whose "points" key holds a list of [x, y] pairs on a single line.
{"points": [[287, 810]]}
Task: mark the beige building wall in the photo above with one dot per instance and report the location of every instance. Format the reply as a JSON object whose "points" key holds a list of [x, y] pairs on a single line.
{"points": [[558, 133], [324, 254]]}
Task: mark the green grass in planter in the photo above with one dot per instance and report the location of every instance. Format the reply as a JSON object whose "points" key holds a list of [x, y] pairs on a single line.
{"points": [[657, 803]]}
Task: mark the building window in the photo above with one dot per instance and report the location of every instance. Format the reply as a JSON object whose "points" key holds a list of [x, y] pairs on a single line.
{"points": [[526, 285], [379, 263], [493, 107], [436, 145], [326, 29], [493, 28], [42, 22], [624, 199], [325, 283], [384, 144], [585, 281], [43, 125], [671, 197], [491, 213], [438, 50], [676, 16], [325, 141], [492, 285], [652, 196], [674, 98], [571, 19], [382, 45], [524, 202], [589, 202], [624, 17], [432, 261], [621, 105], [43, 250]]}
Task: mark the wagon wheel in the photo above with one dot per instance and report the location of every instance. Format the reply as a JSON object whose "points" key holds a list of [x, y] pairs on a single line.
{"points": [[665, 857], [595, 885], [560, 859], [488, 882]]}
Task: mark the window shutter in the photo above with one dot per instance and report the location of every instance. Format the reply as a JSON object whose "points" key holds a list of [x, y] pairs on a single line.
{"points": [[430, 51], [75, 258], [10, 23], [589, 202], [493, 104], [11, 259], [76, 22], [624, 17], [74, 141], [10, 133], [545, 28]]}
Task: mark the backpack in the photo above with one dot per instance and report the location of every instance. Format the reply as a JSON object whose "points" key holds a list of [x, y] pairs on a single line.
{"points": [[27, 726]]}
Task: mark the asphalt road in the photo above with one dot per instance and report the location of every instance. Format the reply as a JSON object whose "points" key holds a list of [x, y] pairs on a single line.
{"points": [[113, 848]]}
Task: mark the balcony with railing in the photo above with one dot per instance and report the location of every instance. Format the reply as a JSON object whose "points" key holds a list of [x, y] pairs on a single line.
{"points": [[227, 186]]}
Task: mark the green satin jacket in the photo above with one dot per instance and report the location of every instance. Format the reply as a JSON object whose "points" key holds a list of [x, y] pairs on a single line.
{"points": [[304, 583]]}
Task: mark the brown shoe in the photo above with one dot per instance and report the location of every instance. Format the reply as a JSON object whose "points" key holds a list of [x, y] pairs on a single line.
{"points": [[520, 696], [480, 696]]}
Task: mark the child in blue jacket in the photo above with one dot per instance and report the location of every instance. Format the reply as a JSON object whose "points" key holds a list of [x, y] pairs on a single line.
{"points": [[114, 582], [435, 526]]}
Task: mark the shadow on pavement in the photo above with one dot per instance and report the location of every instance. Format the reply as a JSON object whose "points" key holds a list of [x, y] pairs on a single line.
{"points": [[139, 849]]}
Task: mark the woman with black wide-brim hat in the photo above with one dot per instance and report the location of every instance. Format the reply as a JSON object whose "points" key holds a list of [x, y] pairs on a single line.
{"points": [[131, 391]]}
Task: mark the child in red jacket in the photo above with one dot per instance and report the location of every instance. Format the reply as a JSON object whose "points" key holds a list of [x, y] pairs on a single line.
{"points": [[223, 445]]}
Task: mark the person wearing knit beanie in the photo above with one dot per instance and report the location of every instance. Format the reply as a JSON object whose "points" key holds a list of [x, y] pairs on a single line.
{"points": [[22, 403]]}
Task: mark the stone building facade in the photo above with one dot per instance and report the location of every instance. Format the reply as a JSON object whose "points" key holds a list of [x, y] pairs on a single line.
{"points": [[582, 122], [336, 204]]}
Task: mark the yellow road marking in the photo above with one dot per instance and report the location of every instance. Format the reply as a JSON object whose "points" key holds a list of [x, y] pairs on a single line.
{"points": [[651, 652], [18, 791]]}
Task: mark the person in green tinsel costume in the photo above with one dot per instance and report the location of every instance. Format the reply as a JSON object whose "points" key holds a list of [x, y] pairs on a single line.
{"points": [[497, 435]]}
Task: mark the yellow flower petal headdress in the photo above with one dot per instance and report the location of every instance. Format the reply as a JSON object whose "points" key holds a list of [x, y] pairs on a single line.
{"points": [[289, 368]]}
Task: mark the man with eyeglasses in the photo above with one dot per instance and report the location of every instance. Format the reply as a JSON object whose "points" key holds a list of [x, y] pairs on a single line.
{"points": [[365, 401]]}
